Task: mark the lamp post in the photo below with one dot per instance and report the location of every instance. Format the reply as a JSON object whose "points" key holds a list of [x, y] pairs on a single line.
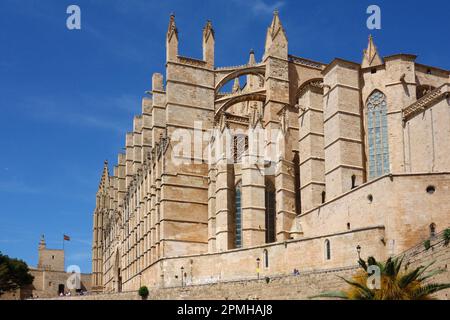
{"points": [[257, 266], [182, 274], [358, 249]]}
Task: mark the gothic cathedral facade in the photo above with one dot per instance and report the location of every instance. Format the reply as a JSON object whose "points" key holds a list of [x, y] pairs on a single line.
{"points": [[350, 155]]}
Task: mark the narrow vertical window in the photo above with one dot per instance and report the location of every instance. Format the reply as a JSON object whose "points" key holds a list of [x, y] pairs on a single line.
{"points": [[296, 162], [238, 222], [327, 249], [432, 230], [377, 135], [266, 259], [270, 211]]}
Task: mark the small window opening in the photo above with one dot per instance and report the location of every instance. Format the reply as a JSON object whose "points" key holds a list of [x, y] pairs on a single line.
{"points": [[327, 249], [431, 189], [266, 259], [353, 181], [432, 230]]}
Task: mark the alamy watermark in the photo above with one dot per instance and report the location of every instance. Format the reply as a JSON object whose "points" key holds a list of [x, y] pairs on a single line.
{"points": [[74, 280], [374, 277], [73, 21], [374, 20]]}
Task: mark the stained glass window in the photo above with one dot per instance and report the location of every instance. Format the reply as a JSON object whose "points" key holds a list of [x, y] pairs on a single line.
{"points": [[238, 238], [377, 135]]}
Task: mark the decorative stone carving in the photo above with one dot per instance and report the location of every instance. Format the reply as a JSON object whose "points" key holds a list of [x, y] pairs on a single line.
{"points": [[424, 102], [306, 62]]}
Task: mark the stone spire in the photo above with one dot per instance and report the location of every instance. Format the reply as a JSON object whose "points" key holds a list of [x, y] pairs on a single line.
{"points": [[371, 57], [236, 85], [208, 31], [172, 30], [276, 40], [208, 43], [42, 243], [105, 174], [172, 40], [251, 58]]}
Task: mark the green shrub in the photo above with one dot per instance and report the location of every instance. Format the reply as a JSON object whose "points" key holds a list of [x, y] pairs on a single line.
{"points": [[447, 236], [143, 292], [427, 244]]}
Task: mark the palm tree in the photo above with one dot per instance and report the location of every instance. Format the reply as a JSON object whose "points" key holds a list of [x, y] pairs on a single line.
{"points": [[394, 284]]}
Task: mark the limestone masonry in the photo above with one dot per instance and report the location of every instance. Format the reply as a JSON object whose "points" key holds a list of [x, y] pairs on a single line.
{"points": [[350, 154]]}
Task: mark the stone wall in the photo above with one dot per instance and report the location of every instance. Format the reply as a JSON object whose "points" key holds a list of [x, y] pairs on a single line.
{"points": [[46, 283], [439, 253], [275, 260], [290, 286], [278, 288], [399, 214], [400, 202]]}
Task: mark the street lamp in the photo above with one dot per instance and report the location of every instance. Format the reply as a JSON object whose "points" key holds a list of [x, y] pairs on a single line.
{"points": [[182, 274], [358, 249]]}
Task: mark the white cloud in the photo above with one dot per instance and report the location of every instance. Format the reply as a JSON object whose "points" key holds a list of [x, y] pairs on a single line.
{"points": [[83, 110], [16, 186], [259, 7], [79, 256]]}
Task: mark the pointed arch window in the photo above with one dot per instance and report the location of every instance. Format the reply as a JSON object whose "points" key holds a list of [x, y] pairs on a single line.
{"points": [[377, 134], [238, 221]]}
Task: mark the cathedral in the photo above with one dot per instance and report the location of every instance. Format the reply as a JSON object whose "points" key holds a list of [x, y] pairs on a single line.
{"points": [[279, 164]]}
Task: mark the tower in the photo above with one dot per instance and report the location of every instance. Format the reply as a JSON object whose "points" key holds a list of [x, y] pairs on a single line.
{"points": [[343, 142], [277, 122]]}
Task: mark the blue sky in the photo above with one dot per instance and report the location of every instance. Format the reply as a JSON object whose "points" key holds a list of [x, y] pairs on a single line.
{"points": [[68, 97]]}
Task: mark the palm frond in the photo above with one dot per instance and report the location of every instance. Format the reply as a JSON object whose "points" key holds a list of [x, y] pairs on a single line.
{"points": [[409, 277], [430, 274], [390, 268], [371, 261], [362, 264], [399, 263], [429, 289], [366, 292]]}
